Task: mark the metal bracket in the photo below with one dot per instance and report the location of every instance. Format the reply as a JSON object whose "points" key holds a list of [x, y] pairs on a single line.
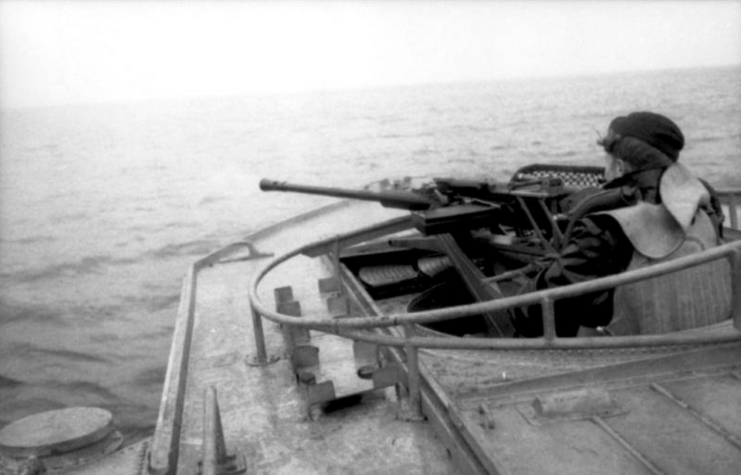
{"points": [[254, 253]]}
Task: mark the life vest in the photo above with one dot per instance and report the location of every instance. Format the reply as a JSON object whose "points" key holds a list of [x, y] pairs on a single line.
{"points": [[691, 298]]}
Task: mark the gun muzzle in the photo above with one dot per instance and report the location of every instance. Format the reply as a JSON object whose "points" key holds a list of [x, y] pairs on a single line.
{"points": [[271, 185]]}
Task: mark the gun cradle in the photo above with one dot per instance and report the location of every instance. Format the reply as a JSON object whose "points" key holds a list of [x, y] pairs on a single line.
{"points": [[452, 219]]}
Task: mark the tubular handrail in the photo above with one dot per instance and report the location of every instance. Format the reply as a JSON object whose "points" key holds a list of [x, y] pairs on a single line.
{"points": [[576, 343], [545, 298]]}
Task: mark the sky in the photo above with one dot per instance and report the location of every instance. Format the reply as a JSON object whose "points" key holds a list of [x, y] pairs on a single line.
{"points": [[74, 51]]}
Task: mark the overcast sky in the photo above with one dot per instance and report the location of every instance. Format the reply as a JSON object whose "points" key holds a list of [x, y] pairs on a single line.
{"points": [[82, 51]]}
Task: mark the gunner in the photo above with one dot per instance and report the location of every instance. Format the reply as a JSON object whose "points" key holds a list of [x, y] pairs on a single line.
{"points": [[657, 210]]}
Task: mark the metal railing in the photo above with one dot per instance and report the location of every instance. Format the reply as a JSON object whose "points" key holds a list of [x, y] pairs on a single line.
{"points": [[731, 198], [412, 343], [544, 298]]}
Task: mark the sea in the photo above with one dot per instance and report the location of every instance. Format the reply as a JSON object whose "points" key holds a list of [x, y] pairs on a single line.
{"points": [[104, 207]]}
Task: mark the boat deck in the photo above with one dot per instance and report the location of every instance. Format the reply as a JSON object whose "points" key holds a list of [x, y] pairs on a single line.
{"points": [[641, 416], [263, 413], [670, 410]]}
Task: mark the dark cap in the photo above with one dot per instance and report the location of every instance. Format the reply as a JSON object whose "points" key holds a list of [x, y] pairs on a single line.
{"points": [[653, 129]]}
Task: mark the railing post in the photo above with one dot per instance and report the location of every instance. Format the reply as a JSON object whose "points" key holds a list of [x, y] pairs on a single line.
{"points": [[413, 380], [261, 358], [549, 324], [262, 354], [735, 260], [336, 264]]}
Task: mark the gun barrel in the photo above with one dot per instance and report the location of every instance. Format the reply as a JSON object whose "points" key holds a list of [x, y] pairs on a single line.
{"points": [[391, 199]]}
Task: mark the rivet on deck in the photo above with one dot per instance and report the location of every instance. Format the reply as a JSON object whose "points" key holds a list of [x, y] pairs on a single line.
{"points": [[488, 419]]}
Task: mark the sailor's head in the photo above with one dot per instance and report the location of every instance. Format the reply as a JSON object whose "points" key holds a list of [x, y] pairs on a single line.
{"points": [[640, 141]]}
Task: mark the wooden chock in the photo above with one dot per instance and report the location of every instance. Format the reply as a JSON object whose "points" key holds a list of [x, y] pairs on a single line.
{"points": [[329, 284], [293, 335], [338, 306], [305, 356], [283, 294]]}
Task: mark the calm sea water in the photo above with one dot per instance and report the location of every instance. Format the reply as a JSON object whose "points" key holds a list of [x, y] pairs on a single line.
{"points": [[102, 208]]}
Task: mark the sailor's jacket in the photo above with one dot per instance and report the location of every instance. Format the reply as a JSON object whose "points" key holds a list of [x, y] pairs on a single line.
{"points": [[691, 298], [666, 222]]}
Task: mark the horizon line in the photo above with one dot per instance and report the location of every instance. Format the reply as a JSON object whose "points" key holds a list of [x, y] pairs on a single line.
{"points": [[336, 89]]}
